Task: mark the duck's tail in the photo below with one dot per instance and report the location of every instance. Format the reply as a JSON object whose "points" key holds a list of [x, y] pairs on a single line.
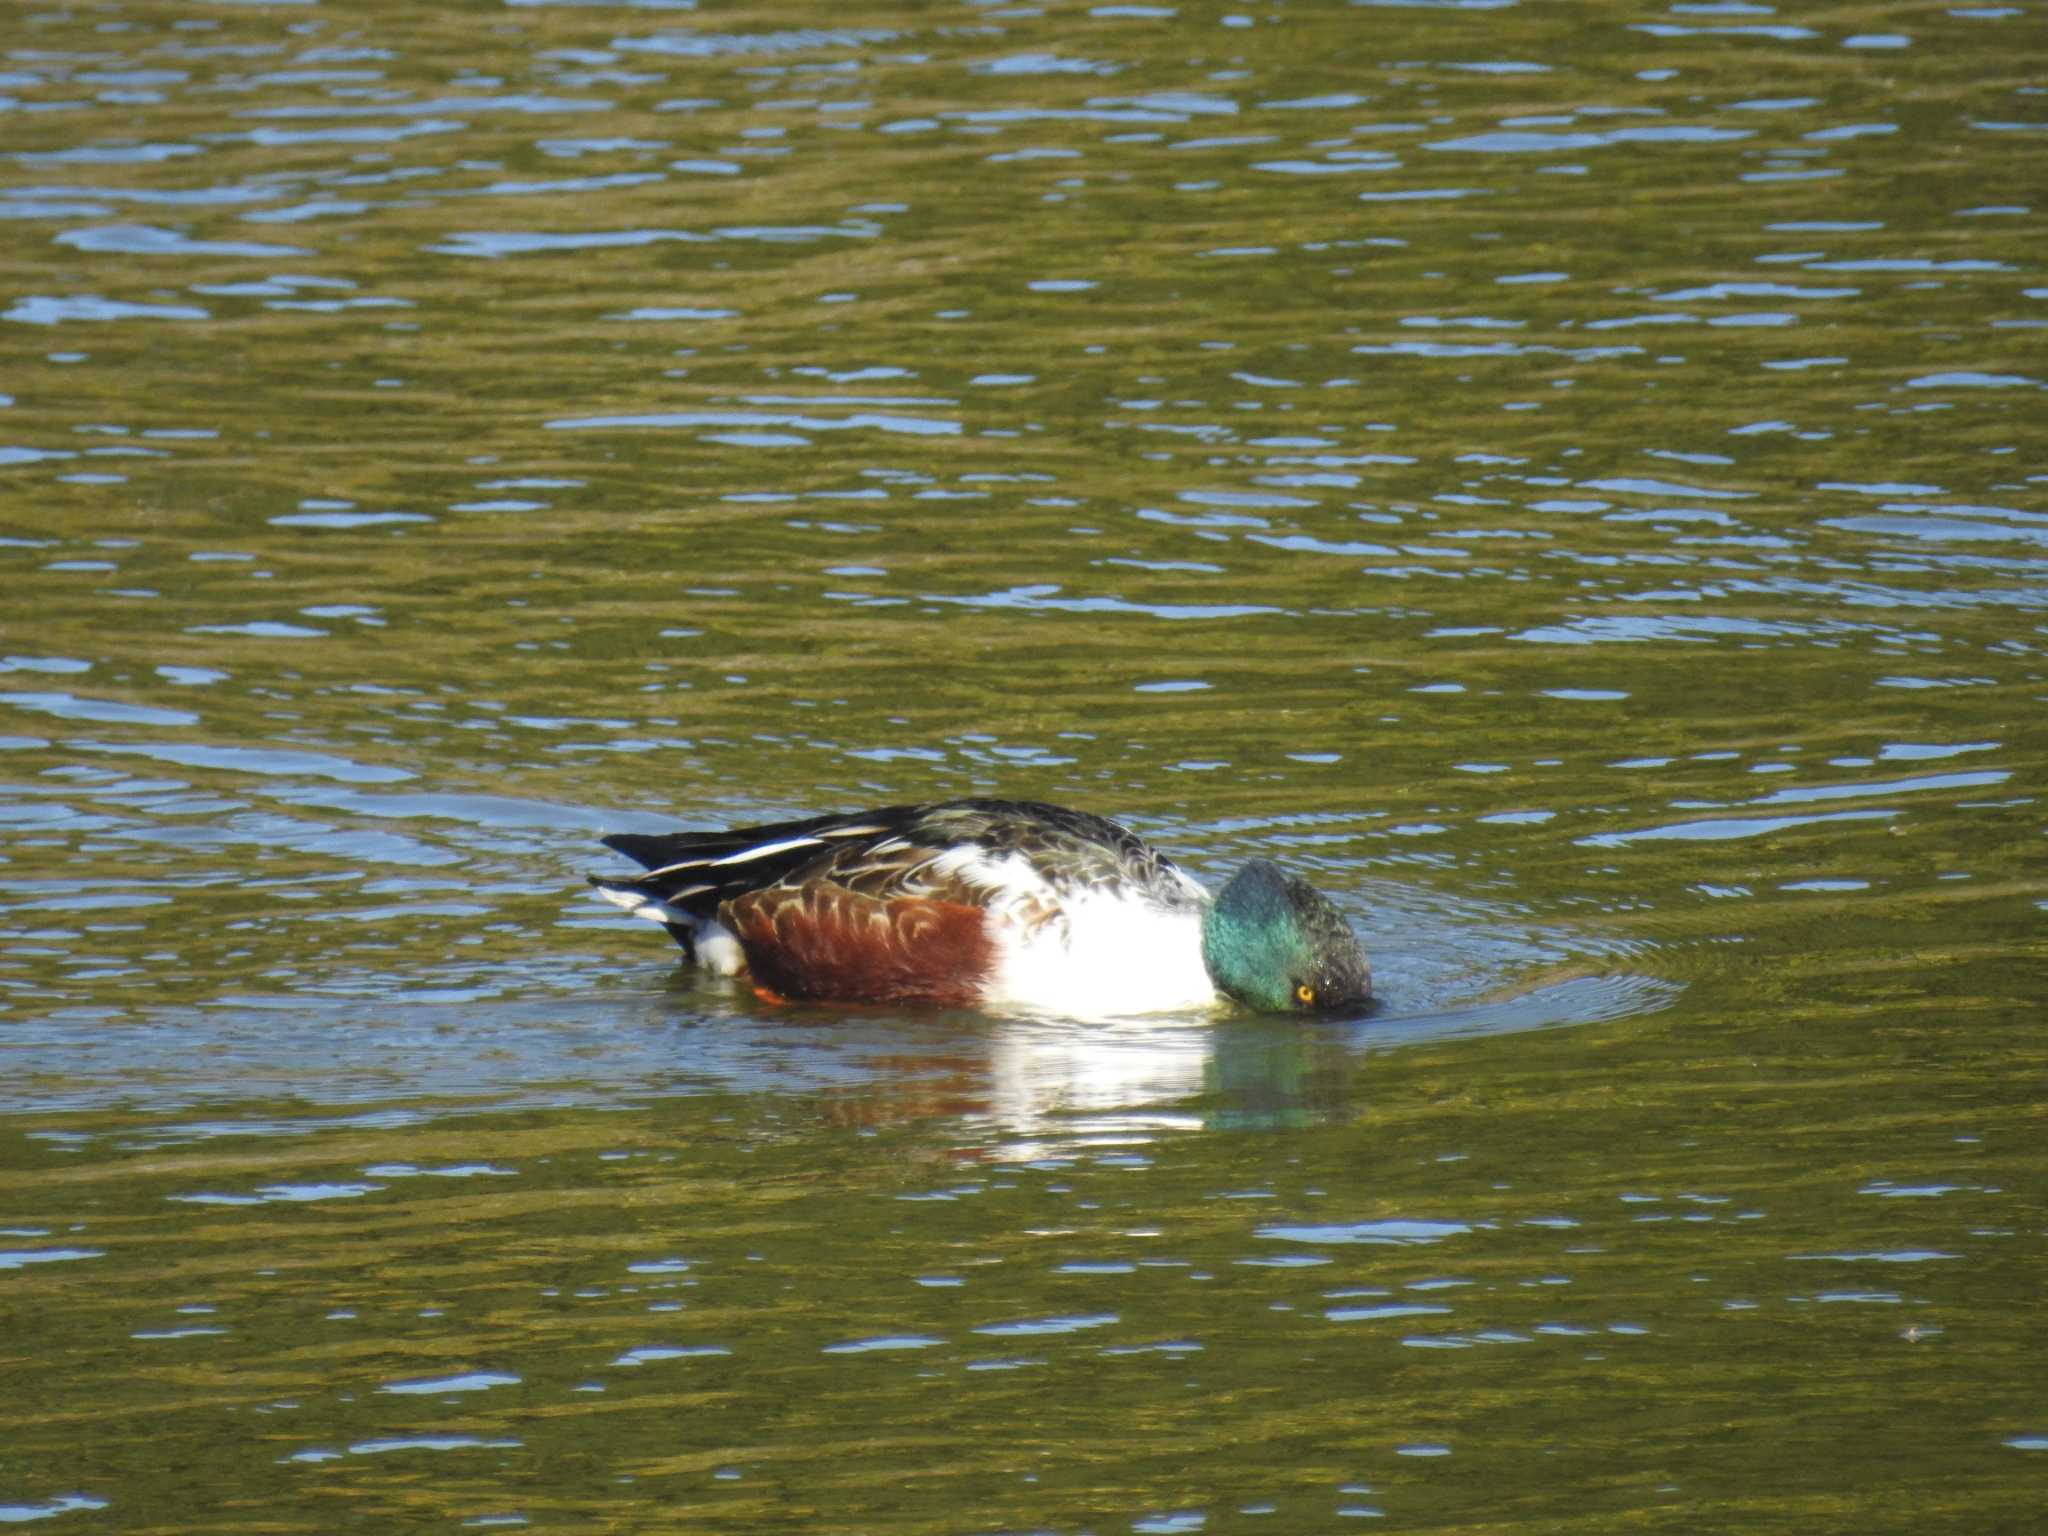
{"points": [[705, 941]]}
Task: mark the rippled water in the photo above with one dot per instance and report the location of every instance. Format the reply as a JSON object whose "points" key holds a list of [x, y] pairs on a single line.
{"points": [[1568, 479]]}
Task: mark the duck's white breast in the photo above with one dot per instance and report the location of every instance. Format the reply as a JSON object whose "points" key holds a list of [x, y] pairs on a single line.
{"points": [[1103, 955]]}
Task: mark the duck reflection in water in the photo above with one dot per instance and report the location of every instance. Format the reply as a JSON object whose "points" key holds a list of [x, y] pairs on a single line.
{"points": [[1021, 1085]]}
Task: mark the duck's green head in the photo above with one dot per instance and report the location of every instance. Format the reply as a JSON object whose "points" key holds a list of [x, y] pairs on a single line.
{"points": [[1273, 942]]}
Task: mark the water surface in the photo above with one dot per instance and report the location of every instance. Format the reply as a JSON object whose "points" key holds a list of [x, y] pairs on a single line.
{"points": [[1569, 481]]}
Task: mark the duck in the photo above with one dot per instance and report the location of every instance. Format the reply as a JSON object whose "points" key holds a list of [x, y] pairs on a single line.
{"points": [[992, 904]]}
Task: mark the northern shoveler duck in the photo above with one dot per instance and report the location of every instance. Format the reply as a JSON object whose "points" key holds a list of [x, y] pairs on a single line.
{"points": [[994, 903]]}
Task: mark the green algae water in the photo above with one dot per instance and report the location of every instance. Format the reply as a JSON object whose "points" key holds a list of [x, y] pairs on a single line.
{"points": [[1567, 480]]}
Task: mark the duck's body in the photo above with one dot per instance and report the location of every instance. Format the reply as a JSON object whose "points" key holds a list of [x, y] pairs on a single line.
{"points": [[988, 903]]}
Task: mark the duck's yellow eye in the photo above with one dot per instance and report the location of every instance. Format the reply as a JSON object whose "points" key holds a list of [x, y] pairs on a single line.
{"points": [[1304, 994]]}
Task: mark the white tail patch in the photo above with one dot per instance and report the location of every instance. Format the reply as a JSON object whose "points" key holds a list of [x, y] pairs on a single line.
{"points": [[717, 950]]}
